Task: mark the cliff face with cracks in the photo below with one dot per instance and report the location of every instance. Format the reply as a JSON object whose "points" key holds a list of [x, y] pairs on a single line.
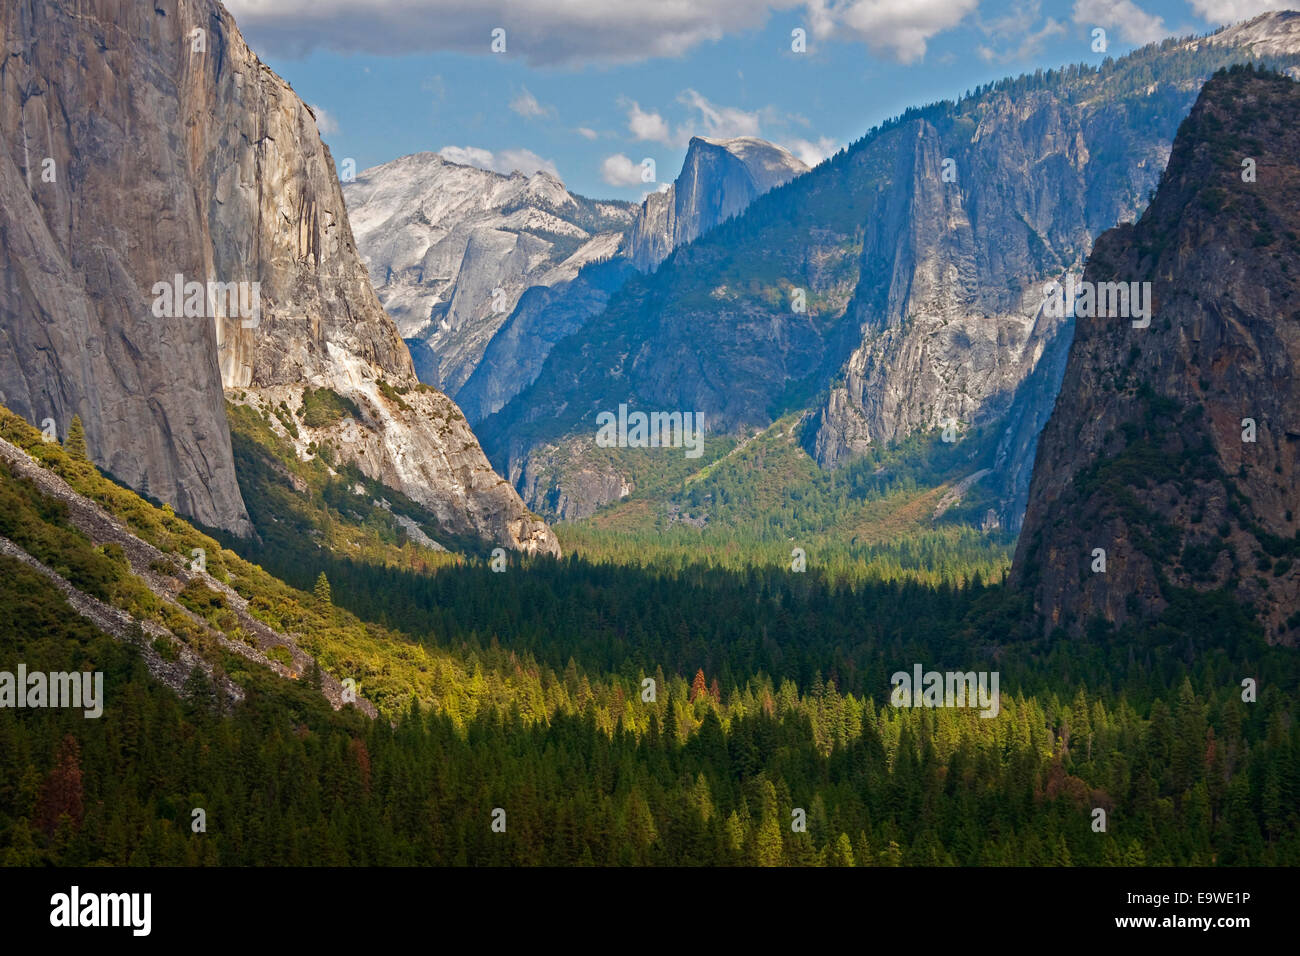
{"points": [[1175, 448], [97, 202], [176, 152]]}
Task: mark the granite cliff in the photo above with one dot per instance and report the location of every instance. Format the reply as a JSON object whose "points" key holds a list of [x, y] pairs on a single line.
{"points": [[146, 142], [719, 179]]}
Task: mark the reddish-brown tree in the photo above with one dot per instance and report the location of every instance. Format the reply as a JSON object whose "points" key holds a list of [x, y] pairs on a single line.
{"points": [[61, 792], [699, 686]]}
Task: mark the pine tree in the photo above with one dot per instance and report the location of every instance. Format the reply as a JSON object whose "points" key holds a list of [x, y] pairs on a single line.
{"points": [[699, 687], [735, 829], [322, 590], [1080, 724], [841, 852], [61, 796], [75, 446], [770, 848]]}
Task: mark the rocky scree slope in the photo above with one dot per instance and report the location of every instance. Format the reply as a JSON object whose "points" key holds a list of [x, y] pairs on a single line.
{"points": [[165, 576]]}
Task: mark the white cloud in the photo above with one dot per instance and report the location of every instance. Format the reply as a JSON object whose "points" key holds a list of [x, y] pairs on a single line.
{"points": [[900, 29], [645, 126], [1013, 40], [526, 105], [619, 170], [1230, 11], [714, 121], [586, 132], [721, 122], [810, 153], [503, 161], [468, 156], [1029, 47], [542, 32], [327, 125], [1134, 24], [708, 119]]}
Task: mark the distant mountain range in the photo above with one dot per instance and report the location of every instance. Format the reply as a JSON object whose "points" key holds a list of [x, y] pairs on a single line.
{"points": [[453, 250], [896, 289]]}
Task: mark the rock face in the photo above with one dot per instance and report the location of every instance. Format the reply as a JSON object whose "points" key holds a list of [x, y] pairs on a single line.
{"points": [[1175, 448], [485, 273], [565, 480], [543, 316], [1017, 441], [97, 203], [178, 153], [719, 178], [1273, 34], [920, 257], [440, 239]]}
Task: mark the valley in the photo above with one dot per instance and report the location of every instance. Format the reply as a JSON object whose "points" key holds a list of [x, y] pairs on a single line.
{"points": [[928, 500]]}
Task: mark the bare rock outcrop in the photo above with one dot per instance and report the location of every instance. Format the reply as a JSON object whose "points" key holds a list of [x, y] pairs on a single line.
{"points": [[1171, 463], [719, 178]]}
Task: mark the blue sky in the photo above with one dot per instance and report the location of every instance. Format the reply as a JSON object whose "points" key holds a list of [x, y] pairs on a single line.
{"points": [[590, 88]]}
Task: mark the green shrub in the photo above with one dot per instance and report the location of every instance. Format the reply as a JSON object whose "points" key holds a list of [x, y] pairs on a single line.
{"points": [[324, 406]]}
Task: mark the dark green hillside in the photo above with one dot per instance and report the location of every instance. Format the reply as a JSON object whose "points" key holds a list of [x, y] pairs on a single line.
{"points": [[772, 695]]}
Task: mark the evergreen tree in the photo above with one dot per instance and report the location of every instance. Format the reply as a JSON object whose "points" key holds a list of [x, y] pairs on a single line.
{"points": [[75, 446], [322, 591], [769, 850]]}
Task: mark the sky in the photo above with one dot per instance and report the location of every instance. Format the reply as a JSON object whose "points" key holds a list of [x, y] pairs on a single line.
{"points": [[589, 89]]}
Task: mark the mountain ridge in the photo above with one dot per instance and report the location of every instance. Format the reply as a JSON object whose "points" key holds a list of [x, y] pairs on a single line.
{"points": [[485, 272], [918, 257]]}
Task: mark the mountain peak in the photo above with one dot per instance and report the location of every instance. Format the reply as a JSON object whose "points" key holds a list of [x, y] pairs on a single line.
{"points": [[441, 237], [719, 179], [755, 153], [1173, 445]]}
